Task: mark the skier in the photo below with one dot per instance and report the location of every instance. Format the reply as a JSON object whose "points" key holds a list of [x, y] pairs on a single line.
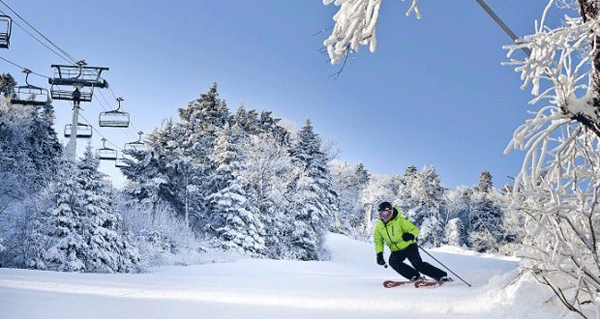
{"points": [[400, 235]]}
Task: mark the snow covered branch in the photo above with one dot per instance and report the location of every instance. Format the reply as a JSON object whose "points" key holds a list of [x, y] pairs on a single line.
{"points": [[355, 25], [559, 183]]}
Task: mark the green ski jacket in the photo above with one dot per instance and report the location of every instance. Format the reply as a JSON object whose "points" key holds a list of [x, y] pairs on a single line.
{"points": [[392, 231]]}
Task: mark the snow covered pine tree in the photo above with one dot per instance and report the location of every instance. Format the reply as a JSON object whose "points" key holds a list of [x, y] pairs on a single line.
{"points": [[313, 198]]}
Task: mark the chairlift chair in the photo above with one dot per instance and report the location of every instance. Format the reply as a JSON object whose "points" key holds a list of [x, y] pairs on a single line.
{"points": [[106, 153], [114, 118], [78, 75], [136, 145], [83, 130], [120, 162], [5, 31], [29, 94]]}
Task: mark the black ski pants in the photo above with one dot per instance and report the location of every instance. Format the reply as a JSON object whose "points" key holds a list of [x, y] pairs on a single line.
{"points": [[412, 253]]}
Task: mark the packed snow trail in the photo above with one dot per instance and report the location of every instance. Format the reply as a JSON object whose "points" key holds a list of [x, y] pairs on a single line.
{"points": [[348, 286]]}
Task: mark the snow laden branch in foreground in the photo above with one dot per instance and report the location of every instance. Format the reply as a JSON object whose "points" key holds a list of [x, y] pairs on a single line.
{"points": [[558, 186], [355, 24]]}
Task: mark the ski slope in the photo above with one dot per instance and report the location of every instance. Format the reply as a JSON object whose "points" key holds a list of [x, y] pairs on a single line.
{"points": [[348, 286]]}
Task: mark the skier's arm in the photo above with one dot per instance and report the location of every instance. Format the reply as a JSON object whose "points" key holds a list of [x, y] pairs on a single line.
{"points": [[378, 239]]}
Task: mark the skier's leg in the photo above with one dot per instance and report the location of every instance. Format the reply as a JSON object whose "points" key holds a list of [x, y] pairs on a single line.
{"points": [[412, 252], [396, 262]]}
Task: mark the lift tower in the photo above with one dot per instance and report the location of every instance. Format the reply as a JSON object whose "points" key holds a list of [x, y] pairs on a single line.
{"points": [[83, 79]]}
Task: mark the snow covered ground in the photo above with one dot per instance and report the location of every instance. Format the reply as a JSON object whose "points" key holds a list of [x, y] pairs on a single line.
{"points": [[348, 286]]}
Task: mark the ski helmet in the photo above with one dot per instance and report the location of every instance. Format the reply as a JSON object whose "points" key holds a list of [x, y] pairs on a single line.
{"points": [[384, 206]]}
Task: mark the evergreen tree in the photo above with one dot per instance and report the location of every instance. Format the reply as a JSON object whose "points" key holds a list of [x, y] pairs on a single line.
{"points": [[362, 175], [348, 182], [62, 225], [312, 196], [235, 220], [454, 233], [403, 196], [486, 224], [197, 131], [79, 231], [29, 156], [268, 170], [427, 193], [201, 120], [485, 182], [151, 184], [246, 120], [269, 125], [106, 250], [7, 84], [29, 148]]}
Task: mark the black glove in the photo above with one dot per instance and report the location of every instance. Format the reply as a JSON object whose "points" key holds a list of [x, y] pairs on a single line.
{"points": [[380, 259], [408, 236]]}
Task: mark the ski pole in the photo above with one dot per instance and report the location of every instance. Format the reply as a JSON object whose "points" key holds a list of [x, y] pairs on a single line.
{"points": [[457, 276]]}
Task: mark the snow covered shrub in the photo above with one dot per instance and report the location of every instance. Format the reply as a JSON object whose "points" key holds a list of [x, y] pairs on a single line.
{"points": [[26, 242], [161, 237]]}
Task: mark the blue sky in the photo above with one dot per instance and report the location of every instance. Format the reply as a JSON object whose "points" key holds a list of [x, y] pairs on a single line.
{"points": [[434, 93]]}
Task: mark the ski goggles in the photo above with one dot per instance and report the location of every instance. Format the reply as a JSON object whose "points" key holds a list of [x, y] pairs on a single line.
{"points": [[386, 214]]}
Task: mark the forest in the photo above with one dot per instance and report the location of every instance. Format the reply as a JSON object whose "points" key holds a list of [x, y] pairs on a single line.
{"points": [[215, 183]]}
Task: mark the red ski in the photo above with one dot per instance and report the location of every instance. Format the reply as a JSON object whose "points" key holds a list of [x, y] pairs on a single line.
{"points": [[393, 283], [428, 283], [416, 284]]}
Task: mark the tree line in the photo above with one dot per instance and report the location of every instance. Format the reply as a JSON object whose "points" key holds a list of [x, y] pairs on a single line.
{"points": [[214, 180]]}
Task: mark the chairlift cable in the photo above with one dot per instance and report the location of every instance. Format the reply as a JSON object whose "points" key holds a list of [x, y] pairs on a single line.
{"points": [[23, 68], [38, 40], [105, 101], [38, 32], [501, 24], [113, 92], [133, 127]]}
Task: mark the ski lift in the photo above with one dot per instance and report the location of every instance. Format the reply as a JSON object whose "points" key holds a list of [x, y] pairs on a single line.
{"points": [[5, 31], [136, 145], [106, 153], [114, 118], [80, 76], [29, 94], [83, 130]]}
